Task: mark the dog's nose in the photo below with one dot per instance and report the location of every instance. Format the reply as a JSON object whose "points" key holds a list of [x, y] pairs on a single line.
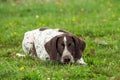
{"points": [[66, 59]]}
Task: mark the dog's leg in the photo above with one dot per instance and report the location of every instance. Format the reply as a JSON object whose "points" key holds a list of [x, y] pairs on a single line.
{"points": [[28, 44]]}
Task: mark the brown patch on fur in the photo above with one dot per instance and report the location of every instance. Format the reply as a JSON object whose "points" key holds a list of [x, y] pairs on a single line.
{"points": [[60, 45], [63, 31], [51, 48], [42, 29]]}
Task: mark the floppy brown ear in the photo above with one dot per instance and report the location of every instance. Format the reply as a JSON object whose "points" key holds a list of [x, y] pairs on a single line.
{"points": [[79, 47], [51, 48]]}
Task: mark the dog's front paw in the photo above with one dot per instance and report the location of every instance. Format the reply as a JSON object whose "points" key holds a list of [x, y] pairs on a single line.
{"points": [[81, 62]]}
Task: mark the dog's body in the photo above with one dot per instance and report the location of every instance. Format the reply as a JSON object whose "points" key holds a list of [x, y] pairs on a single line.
{"points": [[54, 45]]}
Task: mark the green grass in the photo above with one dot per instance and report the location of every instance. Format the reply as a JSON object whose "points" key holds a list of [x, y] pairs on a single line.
{"points": [[96, 21]]}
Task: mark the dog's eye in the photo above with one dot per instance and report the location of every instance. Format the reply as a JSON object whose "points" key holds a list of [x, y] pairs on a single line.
{"points": [[69, 44], [62, 45]]}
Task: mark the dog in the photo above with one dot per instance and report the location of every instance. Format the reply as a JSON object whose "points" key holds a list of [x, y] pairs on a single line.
{"points": [[54, 45]]}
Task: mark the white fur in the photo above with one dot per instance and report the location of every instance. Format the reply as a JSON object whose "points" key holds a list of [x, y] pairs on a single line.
{"points": [[39, 38], [81, 62]]}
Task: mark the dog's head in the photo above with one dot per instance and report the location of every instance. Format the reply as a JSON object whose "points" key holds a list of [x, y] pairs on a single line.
{"points": [[65, 48]]}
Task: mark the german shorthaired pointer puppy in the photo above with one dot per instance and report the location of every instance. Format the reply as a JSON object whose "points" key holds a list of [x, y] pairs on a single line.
{"points": [[54, 45]]}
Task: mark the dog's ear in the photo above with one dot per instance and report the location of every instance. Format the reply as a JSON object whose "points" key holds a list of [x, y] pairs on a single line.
{"points": [[79, 47], [51, 48]]}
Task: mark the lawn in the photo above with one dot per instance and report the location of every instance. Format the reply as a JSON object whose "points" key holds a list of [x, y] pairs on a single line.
{"points": [[96, 21]]}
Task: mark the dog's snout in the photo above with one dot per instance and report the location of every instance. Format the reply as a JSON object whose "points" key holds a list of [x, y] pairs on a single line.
{"points": [[66, 59]]}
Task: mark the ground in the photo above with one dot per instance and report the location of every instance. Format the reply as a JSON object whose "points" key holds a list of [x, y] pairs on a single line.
{"points": [[96, 21]]}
